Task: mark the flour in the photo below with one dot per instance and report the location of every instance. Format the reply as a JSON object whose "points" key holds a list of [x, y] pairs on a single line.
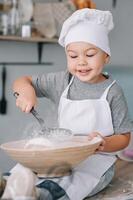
{"points": [[38, 142], [36, 138], [54, 142], [55, 138]]}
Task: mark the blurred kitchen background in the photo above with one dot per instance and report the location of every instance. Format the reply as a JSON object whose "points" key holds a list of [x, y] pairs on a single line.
{"points": [[29, 33]]}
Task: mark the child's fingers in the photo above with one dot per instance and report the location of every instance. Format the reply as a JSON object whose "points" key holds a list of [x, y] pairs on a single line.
{"points": [[101, 146], [90, 137], [28, 108], [24, 105], [94, 134], [18, 103]]}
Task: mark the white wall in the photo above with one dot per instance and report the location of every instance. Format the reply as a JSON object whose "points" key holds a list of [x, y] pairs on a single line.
{"points": [[121, 40]]}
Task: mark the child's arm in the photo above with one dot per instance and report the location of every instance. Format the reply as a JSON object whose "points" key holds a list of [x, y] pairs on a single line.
{"points": [[27, 96], [112, 143], [116, 142]]}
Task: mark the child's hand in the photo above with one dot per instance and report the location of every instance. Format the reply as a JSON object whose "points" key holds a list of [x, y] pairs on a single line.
{"points": [[96, 134], [26, 99]]}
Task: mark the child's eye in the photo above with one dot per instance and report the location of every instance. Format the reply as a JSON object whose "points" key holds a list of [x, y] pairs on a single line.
{"points": [[91, 55], [73, 56]]}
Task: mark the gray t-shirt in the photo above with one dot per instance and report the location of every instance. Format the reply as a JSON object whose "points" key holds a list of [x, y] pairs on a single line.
{"points": [[51, 85]]}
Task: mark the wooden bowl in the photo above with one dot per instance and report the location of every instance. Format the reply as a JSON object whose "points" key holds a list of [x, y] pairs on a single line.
{"points": [[52, 162]]}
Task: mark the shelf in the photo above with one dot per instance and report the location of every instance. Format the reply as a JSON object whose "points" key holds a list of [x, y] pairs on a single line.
{"points": [[35, 39], [26, 63], [28, 39]]}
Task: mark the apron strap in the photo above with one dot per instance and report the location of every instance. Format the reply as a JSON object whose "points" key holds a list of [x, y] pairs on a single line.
{"points": [[69, 77], [104, 95], [71, 80], [67, 88]]}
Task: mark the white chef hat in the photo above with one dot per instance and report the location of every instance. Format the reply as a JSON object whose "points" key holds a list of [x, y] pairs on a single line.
{"points": [[88, 25]]}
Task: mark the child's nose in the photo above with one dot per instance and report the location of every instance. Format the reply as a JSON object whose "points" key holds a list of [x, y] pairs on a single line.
{"points": [[82, 62]]}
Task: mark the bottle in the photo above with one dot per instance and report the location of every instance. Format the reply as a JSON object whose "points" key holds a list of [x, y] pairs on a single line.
{"points": [[4, 23], [14, 18]]}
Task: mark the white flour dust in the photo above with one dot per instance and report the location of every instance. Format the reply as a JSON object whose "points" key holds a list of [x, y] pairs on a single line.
{"points": [[38, 142], [35, 138]]}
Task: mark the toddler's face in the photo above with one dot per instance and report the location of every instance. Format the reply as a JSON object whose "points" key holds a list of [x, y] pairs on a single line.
{"points": [[85, 61]]}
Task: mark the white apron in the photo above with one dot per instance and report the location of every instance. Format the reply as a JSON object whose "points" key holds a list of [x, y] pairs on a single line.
{"points": [[84, 117]]}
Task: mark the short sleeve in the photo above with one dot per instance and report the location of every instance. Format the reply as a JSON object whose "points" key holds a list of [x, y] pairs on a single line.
{"points": [[50, 85], [119, 109]]}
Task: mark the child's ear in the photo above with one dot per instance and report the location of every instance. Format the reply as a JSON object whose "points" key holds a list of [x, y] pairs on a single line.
{"points": [[107, 59]]}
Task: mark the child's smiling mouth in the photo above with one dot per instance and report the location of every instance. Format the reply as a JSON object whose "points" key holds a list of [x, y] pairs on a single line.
{"points": [[84, 72]]}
